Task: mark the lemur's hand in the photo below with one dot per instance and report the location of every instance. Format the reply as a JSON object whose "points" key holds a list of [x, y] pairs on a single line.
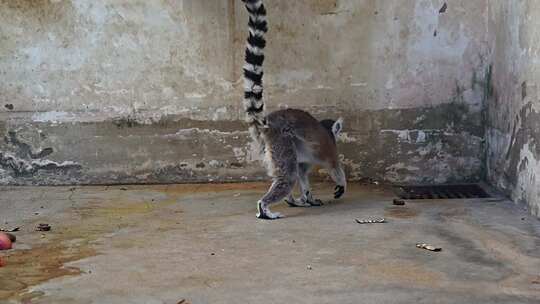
{"points": [[339, 190]]}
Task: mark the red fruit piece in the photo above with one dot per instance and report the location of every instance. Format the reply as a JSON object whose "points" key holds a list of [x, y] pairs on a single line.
{"points": [[5, 241]]}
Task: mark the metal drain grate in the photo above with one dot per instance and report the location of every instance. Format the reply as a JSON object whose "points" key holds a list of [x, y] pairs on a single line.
{"points": [[441, 192]]}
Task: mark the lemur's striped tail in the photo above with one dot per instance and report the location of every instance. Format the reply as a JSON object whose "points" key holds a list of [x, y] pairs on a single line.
{"points": [[253, 67]]}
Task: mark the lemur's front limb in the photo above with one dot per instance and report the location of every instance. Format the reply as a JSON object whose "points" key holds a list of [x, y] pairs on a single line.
{"points": [[338, 175]]}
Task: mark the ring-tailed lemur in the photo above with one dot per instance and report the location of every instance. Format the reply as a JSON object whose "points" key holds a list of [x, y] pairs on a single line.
{"points": [[292, 140]]}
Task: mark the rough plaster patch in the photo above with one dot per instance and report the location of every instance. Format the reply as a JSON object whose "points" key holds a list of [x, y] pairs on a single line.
{"points": [[290, 77], [5, 178], [426, 21], [219, 113], [141, 117], [239, 153], [420, 136], [215, 164], [392, 172], [194, 95], [346, 138], [23, 167], [430, 162], [498, 143], [189, 133], [430, 148], [54, 117], [253, 153], [355, 168], [528, 180]]}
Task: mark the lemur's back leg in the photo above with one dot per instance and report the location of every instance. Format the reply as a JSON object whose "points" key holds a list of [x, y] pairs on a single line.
{"points": [[306, 200], [303, 178], [284, 169], [281, 187], [338, 175]]}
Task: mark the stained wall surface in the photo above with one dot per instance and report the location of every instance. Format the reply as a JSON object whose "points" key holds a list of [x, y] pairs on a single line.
{"points": [[513, 130], [117, 91]]}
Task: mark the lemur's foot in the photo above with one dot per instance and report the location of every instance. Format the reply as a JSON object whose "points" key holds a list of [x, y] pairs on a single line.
{"points": [[339, 191], [269, 215], [264, 213], [315, 202], [304, 203], [296, 203]]}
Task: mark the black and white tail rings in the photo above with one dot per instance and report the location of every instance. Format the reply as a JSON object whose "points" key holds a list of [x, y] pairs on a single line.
{"points": [[254, 59]]}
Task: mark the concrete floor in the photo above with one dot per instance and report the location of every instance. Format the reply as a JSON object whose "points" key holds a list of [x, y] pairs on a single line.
{"points": [[202, 243]]}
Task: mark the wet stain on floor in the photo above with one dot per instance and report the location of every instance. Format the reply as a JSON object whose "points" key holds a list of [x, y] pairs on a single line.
{"points": [[64, 244], [47, 258], [26, 268], [405, 273], [91, 221], [400, 212]]}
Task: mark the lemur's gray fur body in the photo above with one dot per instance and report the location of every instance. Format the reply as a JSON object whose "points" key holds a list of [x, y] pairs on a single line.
{"points": [[292, 140]]}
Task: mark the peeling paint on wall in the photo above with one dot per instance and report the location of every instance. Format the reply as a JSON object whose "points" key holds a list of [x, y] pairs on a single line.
{"points": [[22, 167], [513, 129], [150, 91], [25, 161]]}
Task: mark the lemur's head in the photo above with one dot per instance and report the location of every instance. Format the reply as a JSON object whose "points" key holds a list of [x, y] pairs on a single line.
{"points": [[333, 127]]}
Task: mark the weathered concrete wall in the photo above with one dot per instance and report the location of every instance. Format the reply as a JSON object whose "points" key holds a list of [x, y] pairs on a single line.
{"points": [[513, 130], [150, 91]]}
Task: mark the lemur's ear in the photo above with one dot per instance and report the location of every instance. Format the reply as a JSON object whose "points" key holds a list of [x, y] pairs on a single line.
{"points": [[337, 127]]}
